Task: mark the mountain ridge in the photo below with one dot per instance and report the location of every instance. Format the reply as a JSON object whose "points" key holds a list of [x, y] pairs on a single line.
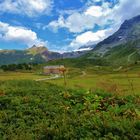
{"points": [[35, 54], [128, 31], [121, 47]]}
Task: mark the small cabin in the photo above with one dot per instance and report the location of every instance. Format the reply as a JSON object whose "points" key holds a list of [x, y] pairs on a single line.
{"points": [[53, 69]]}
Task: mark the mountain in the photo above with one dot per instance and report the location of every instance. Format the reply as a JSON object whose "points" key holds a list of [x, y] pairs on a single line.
{"points": [[18, 56], [74, 54], [123, 47], [129, 31], [124, 54], [35, 54], [36, 50]]}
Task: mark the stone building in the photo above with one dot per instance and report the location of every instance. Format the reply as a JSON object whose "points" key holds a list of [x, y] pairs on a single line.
{"points": [[53, 69]]}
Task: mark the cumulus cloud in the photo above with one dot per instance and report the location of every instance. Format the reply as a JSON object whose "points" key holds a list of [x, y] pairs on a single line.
{"points": [[19, 34], [90, 37], [26, 7], [95, 11], [74, 23], [125, 9], [80, 21], [99, 11]]}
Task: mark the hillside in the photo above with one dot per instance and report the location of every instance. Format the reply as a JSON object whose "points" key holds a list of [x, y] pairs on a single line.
{"points": [[128, 53], [34, 50], [15, 56], [123, 54], [128, 31], [35, 54], [121, 48]]}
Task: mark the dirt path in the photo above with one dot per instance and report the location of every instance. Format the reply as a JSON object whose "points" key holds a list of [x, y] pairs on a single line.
{"points": [[118, 69], [50, 78], [83, 73], [129, 57]]}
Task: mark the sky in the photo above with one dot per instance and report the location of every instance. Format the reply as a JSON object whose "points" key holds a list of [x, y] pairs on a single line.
{"points": [[61, 25]]}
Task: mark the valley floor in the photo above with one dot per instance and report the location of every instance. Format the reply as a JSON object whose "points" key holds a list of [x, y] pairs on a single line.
{"points": [[110, 80]]}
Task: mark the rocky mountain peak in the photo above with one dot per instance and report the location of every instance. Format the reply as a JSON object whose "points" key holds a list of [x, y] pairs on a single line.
{"points": [[128, 31]]}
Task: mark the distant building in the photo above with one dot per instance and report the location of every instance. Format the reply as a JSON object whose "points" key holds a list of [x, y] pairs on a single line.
{"points": [[53, 69]]}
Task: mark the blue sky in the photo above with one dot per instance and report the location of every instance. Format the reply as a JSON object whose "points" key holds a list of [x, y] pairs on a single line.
{"points": [[61, 25]]}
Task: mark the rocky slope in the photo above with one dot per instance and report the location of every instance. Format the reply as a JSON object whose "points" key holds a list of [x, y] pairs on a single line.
{"points": [[123, 47], [129, 31]]}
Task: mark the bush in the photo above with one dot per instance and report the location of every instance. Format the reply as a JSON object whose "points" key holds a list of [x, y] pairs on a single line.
{"points": [[39, 110]]}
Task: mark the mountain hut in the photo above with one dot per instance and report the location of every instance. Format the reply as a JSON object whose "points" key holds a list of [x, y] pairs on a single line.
{"points": [[53, 69]]}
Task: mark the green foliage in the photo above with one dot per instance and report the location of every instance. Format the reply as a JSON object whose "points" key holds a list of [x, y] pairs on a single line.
{"points": [[80, 62], [17, 57], [14, 67], [124, 54], [38, 110]]}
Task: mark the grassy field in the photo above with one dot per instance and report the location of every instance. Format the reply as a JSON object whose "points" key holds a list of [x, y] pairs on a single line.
{"points": [[124, 81], [97, 103], [105, 78]]}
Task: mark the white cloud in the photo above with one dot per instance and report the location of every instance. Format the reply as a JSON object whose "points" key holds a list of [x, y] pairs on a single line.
{"points": [[19, 34], [55, 25], [125, 9], [26, 7], [75, 20], [74, 23], [80, 21], [95, 11], [90, 37], [99, 11]]}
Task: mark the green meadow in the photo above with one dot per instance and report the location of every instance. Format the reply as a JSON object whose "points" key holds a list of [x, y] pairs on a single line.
{"points": [[100, 103], [123, 81]]}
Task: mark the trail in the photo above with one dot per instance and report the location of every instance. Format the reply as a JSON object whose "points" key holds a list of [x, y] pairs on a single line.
{"points": [[83, 73], [118, 68], [129, 57], [51, 78]]}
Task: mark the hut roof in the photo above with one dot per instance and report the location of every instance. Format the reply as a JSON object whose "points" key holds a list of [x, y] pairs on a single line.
{"points": [[53, 67]]}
